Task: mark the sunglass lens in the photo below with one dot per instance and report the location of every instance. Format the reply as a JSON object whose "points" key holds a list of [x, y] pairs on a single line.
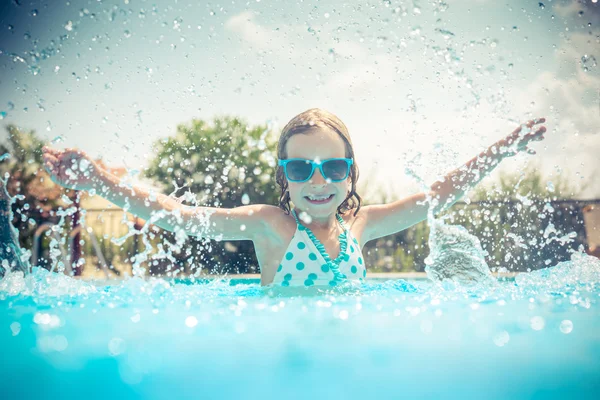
{"points": [[298, 170], [336, 170]]}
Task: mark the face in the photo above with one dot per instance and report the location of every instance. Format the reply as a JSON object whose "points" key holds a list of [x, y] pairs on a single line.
{"points": [[317, 144]]}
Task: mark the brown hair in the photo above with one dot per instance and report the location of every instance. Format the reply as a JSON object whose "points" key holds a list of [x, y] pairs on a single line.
{"points": [[302, 123]]}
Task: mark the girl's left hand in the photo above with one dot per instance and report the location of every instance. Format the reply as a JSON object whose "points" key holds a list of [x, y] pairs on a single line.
{"points": [[520, 138]]}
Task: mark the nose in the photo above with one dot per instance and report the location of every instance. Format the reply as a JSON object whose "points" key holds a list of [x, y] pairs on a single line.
{"points": [[317, 178]]}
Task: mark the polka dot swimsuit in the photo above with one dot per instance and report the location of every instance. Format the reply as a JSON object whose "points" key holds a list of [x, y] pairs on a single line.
{"points": [[304, 265]]}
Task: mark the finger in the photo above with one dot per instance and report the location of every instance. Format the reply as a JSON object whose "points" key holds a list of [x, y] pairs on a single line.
{"points": [[50, 169], [525, 126], [49, 157], [50, 150], [539, 120], [536, 121], [538, 133], [73, 150]]}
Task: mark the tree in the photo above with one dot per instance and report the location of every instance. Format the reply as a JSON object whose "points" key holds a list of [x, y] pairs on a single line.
{"points": [[227, 164], [529, 183]]}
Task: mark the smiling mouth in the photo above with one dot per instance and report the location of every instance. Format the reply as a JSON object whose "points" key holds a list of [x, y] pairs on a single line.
{"points": [[319, 199]]}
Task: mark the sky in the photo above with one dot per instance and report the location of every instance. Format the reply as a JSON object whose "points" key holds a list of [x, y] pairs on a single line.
{"points": [[431, 81]]}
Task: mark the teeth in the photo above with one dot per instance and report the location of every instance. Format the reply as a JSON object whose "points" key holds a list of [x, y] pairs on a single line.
{"points": [[318, 198]]}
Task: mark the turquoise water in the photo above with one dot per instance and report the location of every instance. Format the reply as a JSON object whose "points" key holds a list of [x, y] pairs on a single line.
{"points": [[537, 336]]}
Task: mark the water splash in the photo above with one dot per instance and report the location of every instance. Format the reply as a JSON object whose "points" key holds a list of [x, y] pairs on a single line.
{"points": [[11, 254], [582, 269], [455, 256]]}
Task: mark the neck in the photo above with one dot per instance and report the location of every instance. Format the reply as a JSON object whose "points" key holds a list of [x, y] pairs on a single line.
{"points": [[323, 223]]}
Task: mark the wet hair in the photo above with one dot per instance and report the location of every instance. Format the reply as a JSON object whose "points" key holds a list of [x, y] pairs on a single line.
{"points": [[301, 124]]}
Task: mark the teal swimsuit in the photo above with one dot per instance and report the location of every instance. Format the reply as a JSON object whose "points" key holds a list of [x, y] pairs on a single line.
{"points": [[306, 263]]}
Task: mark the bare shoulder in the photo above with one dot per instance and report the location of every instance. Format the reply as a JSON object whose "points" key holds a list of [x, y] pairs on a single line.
{"points": [[277, 223], [357, 223]]}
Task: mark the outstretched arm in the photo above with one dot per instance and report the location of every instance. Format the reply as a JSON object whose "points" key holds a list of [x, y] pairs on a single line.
{"points": [[386, 219], [74, 169]]}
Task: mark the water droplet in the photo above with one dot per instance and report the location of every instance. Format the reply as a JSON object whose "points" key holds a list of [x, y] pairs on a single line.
{"points": [[501, 338], [304, 217], [69, 26], [127, 34], [57, 139], [116, 346], [537, 323], [2, 115], [191, 321], [11, 106], [245, 199], [15, 327], [541, 5], [566, 326], [84, 165], [332, 54], [588, 62], [34, 12]]}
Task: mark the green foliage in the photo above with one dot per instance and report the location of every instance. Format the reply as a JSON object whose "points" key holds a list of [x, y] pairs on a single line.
{"points": [[516, 216], [226, 164], [527, 183], [404, 251]]}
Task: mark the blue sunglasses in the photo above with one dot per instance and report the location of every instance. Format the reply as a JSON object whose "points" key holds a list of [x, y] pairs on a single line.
{"points": [[301, 170]]}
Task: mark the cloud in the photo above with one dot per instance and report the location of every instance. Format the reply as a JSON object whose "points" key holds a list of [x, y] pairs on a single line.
{"points": [[568, 98], [586, 10], [380, 71], [570, 91], [244, 25]]}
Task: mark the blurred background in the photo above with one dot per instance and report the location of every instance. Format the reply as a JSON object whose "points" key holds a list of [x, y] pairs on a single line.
{"points": [[192, 97]]}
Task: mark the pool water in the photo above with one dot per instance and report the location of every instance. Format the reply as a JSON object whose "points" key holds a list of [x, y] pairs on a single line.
{"points": [[535, 336]]}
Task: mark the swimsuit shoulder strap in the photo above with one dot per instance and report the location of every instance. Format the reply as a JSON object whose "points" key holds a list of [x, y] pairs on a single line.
{"points": [[296, 217], [342, 222]]}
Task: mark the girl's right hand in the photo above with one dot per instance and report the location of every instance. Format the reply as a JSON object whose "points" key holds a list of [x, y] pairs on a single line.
{"points": [[70, 168]]}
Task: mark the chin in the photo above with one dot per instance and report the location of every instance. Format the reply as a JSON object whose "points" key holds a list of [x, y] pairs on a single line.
{"points": [[320, 210]]}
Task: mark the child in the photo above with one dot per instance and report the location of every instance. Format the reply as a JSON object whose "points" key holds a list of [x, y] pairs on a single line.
{"points": [[316, 234]]}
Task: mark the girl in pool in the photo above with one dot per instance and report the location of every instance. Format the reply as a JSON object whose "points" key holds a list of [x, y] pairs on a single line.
{"points": [[315, 235]]}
